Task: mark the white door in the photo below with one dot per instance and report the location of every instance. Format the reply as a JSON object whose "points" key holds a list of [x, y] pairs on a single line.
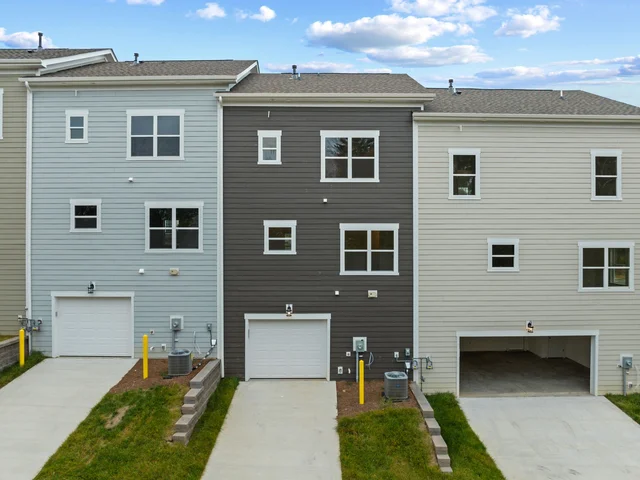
{"points": [[287, 349], [97, 326]]}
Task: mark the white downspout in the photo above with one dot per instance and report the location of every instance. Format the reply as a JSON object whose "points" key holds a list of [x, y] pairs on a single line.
{"points": [[29, 151], [220, 239]]}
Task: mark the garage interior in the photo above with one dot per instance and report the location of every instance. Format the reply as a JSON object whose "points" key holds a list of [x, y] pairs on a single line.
{"points": [[521, 366]]}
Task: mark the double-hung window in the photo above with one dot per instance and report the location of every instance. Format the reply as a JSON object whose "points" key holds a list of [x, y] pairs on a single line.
{"points": [[86, 215], [606, 175], [76, 126], [369, 249], [606, 266], [174, 226], [504, 254], [464, 173], [269, 147], [280, 237], [350, 156], [155, 134]]}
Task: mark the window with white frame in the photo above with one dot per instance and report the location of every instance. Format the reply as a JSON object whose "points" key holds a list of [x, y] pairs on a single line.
{"points": [[155, 134], [174, 226], [1, 111], [350, 156], [504, 254], [606, 175], [464, 173], [269, 147], [369, 249], [606, 266], [86, 215], [77, 127], [280, 237]]}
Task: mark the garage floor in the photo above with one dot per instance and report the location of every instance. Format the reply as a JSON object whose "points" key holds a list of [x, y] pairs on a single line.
{"points": [[491, 374]]}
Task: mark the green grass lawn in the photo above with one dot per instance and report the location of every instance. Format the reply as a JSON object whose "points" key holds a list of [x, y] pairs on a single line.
{"points": [[629, 404], [391, 444], [138, 447], [15, 371]]}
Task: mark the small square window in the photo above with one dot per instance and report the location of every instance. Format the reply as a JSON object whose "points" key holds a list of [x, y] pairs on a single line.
{"points": [[504, 255], [76, 126], [174, 226], [606, 266], [280, 237], [464, 173], [269, 142], [86, 215], [606, 175]]}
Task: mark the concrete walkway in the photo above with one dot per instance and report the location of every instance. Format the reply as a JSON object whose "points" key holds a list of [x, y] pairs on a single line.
{"points": [[279, 429], [41, 408], [557, 438]]}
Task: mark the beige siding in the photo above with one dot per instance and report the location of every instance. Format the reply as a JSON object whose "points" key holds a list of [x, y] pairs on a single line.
{"points": [[12, 203], [535, 186]]}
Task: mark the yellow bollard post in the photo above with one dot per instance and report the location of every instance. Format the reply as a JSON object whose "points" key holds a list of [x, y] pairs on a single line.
{"points": [[361, 368], [21, 347], [145, 357]]}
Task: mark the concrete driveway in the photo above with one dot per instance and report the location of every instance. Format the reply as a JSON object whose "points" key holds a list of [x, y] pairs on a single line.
{"points": [[533, 438], [41, 408], [279, 429]]}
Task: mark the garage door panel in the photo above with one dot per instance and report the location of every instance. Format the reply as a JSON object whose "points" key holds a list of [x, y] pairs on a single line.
{"points": [[287, 349], [94, 327]]}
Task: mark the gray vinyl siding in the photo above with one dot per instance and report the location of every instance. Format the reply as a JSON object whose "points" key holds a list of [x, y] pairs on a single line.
{"points": [[535, 186], [66, 261], [12, 202], [258, 283]]}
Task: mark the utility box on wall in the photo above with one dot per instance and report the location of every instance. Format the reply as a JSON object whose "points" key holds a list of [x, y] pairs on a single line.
{"points": [[359, 344]]}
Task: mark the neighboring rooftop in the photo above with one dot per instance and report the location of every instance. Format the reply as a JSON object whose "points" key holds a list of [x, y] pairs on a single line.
{"points": [[283, 83], [44, 54], [529, 102], [159, 68]]}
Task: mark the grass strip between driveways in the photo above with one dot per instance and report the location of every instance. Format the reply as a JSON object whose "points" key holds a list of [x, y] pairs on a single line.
{"points": [[392, 444], [629, 404], [138, 445], [14, 371], [6, 337]]}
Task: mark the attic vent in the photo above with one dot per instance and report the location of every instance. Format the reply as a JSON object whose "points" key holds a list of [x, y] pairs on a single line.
{"points": [[39, 40], [135, 59], [452, 89], [295, 75]]}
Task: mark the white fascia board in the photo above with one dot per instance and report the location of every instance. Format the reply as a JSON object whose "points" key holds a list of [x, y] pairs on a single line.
{"points": [[246, 72], [79, 58], [131, 80], [230, 98], [500, 117]]}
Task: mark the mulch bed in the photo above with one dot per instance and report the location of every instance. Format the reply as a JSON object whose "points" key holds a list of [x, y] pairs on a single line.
{"points": [[157, 368], [348, 398]]}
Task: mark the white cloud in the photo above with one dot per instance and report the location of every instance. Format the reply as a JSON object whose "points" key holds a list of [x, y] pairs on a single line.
{"points": [[536, 20], [313, 67], [410, 56], [461, 10], [23, 39], [378, 70], [295, 20], [597, 61], [155, 3], [211, 11], [382, 31], [265, 14]]}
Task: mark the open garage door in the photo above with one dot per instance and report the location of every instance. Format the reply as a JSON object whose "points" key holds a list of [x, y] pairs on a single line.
{"points": [[526, 365]]}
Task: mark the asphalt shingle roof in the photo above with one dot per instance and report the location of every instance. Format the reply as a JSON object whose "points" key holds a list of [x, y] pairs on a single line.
{"points": [[329, 83], [533, 102], [44, 54], [158, 68]]}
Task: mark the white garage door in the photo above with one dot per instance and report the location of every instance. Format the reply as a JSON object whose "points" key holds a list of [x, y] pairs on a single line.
{"points": [[95, 326], [287, 349]]}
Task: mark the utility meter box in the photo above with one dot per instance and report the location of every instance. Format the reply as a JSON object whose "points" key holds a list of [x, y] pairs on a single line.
{"points": [[359, 344]]}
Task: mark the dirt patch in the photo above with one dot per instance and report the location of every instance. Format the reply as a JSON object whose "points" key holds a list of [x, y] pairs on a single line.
{"points": [[158, 367], [348, 398], [117, 418]]}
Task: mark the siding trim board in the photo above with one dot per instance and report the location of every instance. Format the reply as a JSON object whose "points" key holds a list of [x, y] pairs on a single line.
{"points": [[220, 231]]}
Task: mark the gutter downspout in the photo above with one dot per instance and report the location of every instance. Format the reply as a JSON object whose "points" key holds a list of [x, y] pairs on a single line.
{"points": [[220, 238], [28, 206]]}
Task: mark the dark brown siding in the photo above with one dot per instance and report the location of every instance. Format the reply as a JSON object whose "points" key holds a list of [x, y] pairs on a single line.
{"points": [[258, 283]]}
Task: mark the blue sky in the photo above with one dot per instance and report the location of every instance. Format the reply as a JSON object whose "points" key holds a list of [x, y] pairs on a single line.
{"points": [[566, 44]]}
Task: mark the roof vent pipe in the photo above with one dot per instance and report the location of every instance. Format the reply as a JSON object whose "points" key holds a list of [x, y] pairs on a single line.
{"points": [[39, 40], [295, 68], [135, 58], [451, 89]]}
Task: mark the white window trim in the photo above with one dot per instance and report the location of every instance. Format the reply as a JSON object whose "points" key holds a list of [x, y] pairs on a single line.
{"points": [[173, 206], [606, 245], [464, 151], [85, 126], [293, 224], [368, 227], [606, 153], [375, 134], [155, 113], [79, 201], [1, 112], [516, 254], [262, 134]]}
